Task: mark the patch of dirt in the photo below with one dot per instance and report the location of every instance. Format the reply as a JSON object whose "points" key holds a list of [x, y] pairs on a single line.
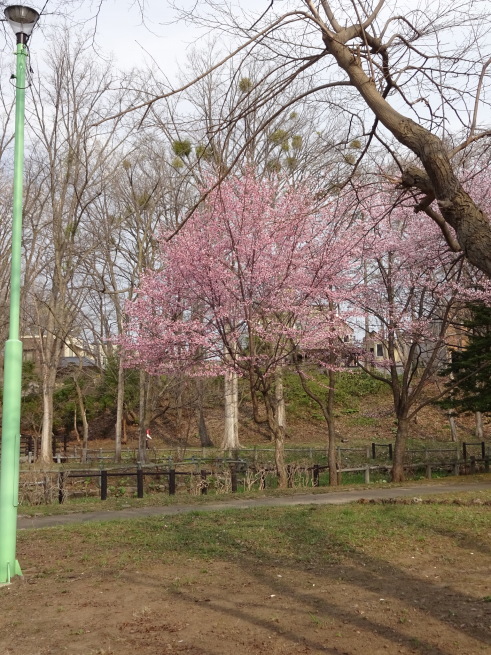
{"points": [[430, 600]]}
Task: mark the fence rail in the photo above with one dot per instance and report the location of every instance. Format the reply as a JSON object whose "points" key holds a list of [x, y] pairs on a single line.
{"points": [[234, 473], [375, 450]]}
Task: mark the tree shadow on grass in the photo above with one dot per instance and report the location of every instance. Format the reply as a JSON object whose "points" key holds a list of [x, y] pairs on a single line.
{"points": [[367, 573]]}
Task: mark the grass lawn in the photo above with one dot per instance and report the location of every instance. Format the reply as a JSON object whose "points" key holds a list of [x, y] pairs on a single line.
{"points": [[358, 579]]}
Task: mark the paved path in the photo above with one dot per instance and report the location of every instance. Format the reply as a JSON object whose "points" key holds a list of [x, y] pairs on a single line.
{"points": [[328, 498]]}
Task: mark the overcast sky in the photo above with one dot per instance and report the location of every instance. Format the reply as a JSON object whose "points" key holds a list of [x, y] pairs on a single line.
{"points": [[122, 36]]}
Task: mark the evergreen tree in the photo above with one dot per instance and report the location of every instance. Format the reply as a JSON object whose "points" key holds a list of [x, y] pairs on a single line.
{"points": [[470, 369]]}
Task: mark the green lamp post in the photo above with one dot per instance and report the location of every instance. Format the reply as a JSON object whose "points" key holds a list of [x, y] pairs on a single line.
{"points": [[22, 20]]}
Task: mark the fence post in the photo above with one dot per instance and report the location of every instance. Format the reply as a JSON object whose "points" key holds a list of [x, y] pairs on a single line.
{"points": [[139, 480], [204, 483], [483, 449], [464, 450], [103, 485], [473, 465], [428, 471], [390, 452], [373, 451], [172, 482], [456, 468], [315, 475], [233, 478], [367, 474]]}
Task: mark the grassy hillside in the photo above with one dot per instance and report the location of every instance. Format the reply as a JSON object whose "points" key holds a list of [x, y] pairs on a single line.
{"points": [[363, 411]]}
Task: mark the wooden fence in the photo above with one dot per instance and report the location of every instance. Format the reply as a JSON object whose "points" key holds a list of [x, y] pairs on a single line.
{"points": [[378, 451], [236, 472]]}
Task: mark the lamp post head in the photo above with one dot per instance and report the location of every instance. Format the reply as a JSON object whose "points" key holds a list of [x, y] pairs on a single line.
{"points": [[22, 20]]}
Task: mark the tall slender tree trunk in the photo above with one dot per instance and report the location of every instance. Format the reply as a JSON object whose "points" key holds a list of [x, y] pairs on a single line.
{"points": [[231, 432], [119, 412], [124, 437], [235, 396], [75, 426], [479, 430], [453, 426], [83, 414], [142, 419], [451, 413], [179, 403], [331, 432], [49, 378]]}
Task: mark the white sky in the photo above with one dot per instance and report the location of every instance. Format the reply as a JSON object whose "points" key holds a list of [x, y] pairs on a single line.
{"points": [[121, 35]]}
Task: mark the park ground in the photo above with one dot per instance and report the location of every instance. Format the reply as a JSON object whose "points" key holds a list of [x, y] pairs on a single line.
{"points": [[410, 576]]}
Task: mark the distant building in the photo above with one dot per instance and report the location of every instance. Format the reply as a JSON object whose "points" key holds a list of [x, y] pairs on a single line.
{"points": [[73, 354]]}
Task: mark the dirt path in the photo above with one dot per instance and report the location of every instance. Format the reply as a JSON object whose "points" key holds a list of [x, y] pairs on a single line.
{"points": [[328, 498]]}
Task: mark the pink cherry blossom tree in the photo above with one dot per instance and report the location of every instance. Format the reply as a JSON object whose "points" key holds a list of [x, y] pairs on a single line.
{"points": [[244, 286], [414, 285]]}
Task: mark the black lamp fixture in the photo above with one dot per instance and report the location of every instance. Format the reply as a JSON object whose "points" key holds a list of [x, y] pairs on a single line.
{"points": [[22, 20]]}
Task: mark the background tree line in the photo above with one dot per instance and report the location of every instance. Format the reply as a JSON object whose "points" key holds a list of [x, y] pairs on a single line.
{"points": [[102, 182]]}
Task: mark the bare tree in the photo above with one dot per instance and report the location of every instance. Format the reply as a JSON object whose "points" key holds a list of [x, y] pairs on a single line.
{"points": [[411, 80], [146, 195], [70, 166]]}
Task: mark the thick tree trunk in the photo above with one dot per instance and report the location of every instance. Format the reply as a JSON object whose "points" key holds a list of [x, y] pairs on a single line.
{"points": [[439, 179], [279, 457], [204, 437], [279, 441], [279, 391], [400, 449]]}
